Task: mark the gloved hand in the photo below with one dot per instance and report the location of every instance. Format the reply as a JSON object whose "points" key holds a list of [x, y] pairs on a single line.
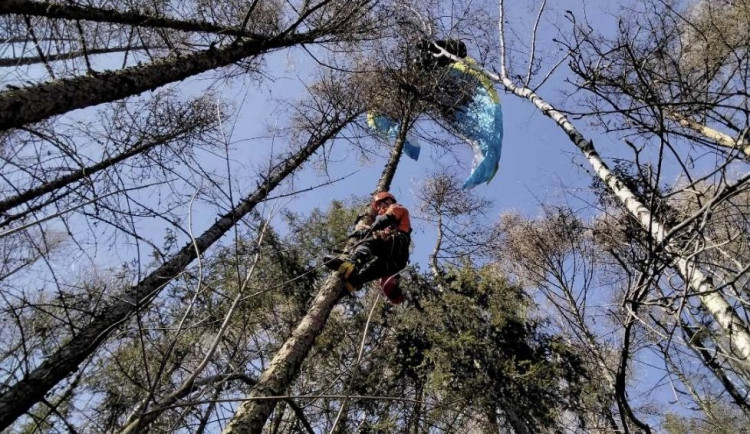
{"points": [[383, 221]]}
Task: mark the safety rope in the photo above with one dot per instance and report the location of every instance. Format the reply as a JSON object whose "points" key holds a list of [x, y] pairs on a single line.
{"points": [[355, 368]]}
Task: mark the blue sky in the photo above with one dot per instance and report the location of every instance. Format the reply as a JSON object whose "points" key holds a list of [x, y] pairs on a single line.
{"points": [[538, 164]]}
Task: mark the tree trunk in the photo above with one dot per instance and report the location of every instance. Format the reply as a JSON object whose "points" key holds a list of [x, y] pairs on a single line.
{"points": [[283, 369], [515, 421], [252, 414], [389, 171], [492, 426], [34, 103], [32, 388], [206, 416], [73, 12], [714, 364], [19, 61], [710, 133], [277, 420], [436, 272], [413, 424], [736, 330]]}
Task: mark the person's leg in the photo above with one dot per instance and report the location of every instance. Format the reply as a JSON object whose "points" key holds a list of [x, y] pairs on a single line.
{"points": [[364, 252], [364, 263], [398, 255], [361, 254], [397, 259], [391, 288], [368, 272], [370, 261]]}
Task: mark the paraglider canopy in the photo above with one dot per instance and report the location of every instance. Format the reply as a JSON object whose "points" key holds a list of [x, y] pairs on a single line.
{"points": [[464, 97], [469, 103]]}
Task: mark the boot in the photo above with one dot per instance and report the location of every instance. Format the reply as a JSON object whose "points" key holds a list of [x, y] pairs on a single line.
{"points": [[343, 266], [333, 262]]}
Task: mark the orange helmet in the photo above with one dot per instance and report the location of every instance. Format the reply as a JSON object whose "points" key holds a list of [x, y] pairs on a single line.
{"points": [[383, 195]]}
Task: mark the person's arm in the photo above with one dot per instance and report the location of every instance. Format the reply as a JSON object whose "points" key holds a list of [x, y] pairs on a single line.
{"points": [[383, 221]]}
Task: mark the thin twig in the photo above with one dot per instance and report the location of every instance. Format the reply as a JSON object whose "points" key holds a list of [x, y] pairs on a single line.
{"points": [[532, 50]]}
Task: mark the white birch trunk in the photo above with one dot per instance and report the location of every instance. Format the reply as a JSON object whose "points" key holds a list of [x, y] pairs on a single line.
{"points": [[736, 330], [710, 133]]}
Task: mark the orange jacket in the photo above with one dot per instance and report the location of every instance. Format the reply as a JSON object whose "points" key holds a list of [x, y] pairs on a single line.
{"points": [[401, 214]]}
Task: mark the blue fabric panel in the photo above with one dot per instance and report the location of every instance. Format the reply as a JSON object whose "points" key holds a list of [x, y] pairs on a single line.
{"points": [[411, 148], [481, 122], [387, 127]]}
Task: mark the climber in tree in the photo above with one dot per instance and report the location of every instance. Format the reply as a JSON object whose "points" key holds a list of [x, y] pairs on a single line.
{"points": [[382, 248]]}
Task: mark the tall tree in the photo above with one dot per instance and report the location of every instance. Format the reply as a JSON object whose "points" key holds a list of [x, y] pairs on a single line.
{"points": [[557, 255], [163, 123], [324, 21], [458, 218], [670, 239], [252, 415], [97, 182], [735, 328], [381, 95], [680, 90], [322, 127]]}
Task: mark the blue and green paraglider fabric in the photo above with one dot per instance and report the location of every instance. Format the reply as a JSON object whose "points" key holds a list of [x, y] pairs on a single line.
{"points": [[388, 129], [479, 121]]}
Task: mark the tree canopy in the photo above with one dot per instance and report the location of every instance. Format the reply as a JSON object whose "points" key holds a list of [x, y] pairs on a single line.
{"points": [[172, 174]]}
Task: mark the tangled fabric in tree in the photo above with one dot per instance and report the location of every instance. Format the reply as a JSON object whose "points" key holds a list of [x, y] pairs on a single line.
{"points": [[469, 104], [387, 128], [480, 122]]}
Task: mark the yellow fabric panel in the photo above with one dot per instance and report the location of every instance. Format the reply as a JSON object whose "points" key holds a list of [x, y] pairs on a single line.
{"points": [[466, 67], [371, 120]]}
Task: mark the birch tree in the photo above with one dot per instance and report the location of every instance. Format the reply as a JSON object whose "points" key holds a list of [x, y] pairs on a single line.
{"points": [[695, 278], [681, 88], [663, 234]]}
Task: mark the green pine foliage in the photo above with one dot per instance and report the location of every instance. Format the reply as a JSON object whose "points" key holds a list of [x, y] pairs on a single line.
{"points": [[470, 351], [455, 360]]}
